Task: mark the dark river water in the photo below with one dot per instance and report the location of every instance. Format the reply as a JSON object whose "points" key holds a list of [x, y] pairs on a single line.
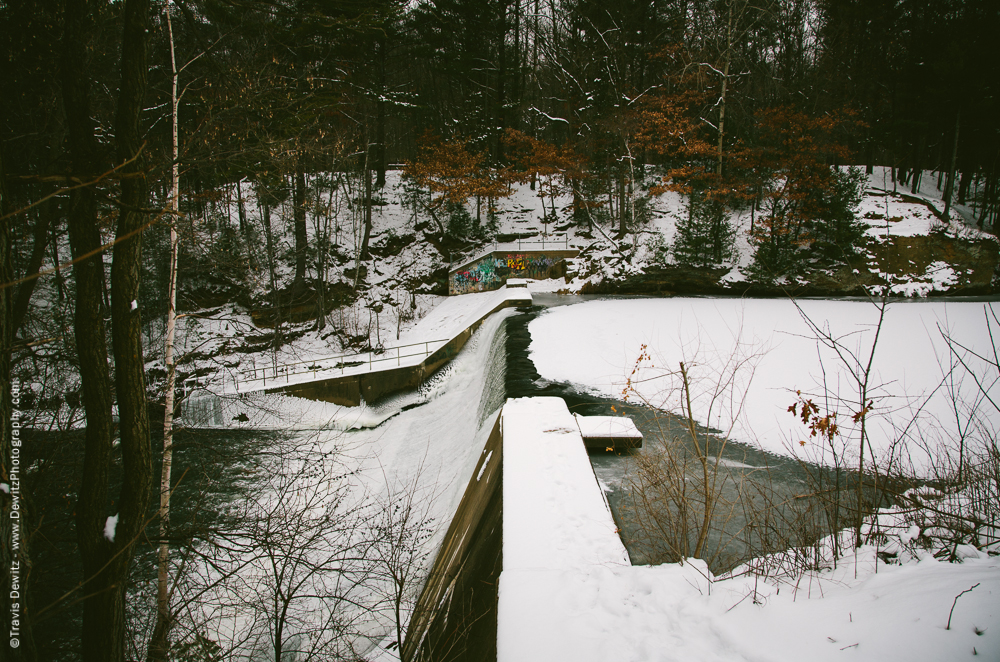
{"points": [[215, 468]]}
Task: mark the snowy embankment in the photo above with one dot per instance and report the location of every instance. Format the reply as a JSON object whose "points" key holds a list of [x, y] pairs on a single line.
{"points": [[915, 380], [443, 323], [567, 594], [225, 343]]}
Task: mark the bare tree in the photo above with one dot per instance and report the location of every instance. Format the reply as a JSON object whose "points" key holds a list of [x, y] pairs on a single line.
{"points": [[305, 565], [402, 529], [160, 644], [681, 498]]}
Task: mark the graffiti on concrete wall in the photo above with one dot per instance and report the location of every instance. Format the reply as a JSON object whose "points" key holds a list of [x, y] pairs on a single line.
{"points": [[491, 272]]}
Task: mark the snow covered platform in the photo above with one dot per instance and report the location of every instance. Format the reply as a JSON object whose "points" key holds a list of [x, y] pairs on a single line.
{"points": [[612, 433], [557, 533], [555, 514]]}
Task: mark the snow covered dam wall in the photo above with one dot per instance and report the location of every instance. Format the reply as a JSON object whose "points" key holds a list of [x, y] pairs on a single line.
{"points": [[533, 517]]}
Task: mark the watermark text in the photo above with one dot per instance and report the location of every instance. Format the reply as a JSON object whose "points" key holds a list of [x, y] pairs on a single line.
{"points": [[15, 600]]}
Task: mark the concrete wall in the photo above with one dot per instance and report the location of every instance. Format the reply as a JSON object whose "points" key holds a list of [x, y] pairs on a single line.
{"points": [[349, 390], [455, 617], [532, 512], [492, 271]]}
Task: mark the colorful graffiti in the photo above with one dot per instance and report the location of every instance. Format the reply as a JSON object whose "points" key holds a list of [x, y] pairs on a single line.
{"points": [[492, 271]]}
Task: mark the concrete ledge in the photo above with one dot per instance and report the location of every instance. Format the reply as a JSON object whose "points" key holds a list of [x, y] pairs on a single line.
{"points": [[533, 518], [350, 390]]}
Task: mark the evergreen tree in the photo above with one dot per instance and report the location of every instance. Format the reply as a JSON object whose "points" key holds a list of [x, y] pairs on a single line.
{"points": [[705, 237]]}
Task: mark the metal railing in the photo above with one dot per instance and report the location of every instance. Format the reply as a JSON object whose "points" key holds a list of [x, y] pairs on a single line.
{"points": [[283, 373], [551, 244]]}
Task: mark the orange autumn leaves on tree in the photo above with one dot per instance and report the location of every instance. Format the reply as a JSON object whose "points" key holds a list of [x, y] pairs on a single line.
{"points": [[453, 173], [555, 168], [788, 160], [779, 169], [537, 158], [671, 126], [786, 174]]}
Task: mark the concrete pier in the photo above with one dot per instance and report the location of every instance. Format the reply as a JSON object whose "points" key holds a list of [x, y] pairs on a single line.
{"points": [[532, 513]]}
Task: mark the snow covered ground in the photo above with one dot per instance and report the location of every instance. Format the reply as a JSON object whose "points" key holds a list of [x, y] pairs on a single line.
{"points": [[565, 593], [225, 341], [856, 612], [441, 325]]}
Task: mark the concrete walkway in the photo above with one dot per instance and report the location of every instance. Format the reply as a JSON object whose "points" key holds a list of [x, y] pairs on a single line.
{"points": [[346, 378]]}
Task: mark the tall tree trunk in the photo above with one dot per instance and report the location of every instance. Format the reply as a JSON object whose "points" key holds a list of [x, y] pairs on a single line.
{"points": [[363, 253], [301, 236], [159, 644], [380, 160], [88, 271], [265, 218], [622, 207], [54, 243], [106, 559], [963, 185], [725, 86], [950, 187], [242, 212], [501, 116], [918, 162]]}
